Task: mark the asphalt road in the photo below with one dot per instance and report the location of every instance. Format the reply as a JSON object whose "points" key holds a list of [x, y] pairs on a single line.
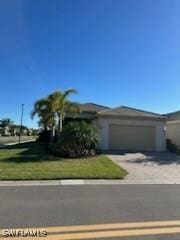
{"points": [[49, 206]]}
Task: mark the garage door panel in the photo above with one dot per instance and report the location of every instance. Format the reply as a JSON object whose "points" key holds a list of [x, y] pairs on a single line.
{"points": [[131, 137]]}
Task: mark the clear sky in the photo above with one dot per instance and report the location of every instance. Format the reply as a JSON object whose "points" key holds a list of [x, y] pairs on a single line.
{"points": [[114, 52]]}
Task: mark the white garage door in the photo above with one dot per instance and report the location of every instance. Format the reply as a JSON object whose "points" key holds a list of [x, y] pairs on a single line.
{"points": [[129, 137]]}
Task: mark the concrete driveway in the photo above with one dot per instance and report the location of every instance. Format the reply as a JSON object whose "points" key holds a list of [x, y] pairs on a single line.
{"points": [[149, 167]]}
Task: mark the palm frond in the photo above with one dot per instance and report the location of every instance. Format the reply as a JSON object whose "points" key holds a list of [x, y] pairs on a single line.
{"points": [[68, 92]]}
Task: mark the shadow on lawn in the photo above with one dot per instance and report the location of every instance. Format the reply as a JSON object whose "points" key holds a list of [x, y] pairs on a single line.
{"points": [[29, 152]]}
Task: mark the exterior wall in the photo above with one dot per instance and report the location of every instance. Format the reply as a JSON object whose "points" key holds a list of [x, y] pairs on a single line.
{"points": [[103, 125], [173, 132]]}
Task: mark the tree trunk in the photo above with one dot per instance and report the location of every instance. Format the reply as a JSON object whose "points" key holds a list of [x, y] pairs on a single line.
{"points": [[53, 131], [52, 134], [59, 125]]}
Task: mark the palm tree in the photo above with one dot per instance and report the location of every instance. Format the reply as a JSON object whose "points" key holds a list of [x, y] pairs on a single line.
{"points": [[42, 108], [62, 106], [52, 110]]}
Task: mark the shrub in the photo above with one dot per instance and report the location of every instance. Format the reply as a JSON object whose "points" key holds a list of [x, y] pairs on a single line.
{"points": [[171, 146], [77, 139]]}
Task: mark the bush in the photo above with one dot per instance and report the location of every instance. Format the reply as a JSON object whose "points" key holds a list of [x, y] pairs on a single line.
{"points": [[77, 139], [172, 147]]}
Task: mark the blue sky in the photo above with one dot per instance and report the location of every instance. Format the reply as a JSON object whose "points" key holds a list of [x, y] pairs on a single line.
{"points": [[114, 52]]}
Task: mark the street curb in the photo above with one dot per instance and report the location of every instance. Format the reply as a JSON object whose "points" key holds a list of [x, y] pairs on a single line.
{"points": [[71, 182]]}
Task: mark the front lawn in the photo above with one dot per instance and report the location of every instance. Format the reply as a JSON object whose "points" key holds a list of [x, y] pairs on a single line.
{"points": [[31, 161]]}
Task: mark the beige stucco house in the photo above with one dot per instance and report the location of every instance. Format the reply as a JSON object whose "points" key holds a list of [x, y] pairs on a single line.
{"points": [[125, 128], [173, 127]]}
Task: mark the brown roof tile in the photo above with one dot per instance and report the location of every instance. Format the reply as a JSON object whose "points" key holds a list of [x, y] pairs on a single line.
{"points": [[130, 112], [92, 107]]}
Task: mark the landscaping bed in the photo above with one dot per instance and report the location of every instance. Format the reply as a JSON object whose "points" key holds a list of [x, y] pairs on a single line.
{"points": [[30, 161]]}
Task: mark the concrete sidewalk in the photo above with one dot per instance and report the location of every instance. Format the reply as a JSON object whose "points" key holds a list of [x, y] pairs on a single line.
{"points": [[83, 182]]}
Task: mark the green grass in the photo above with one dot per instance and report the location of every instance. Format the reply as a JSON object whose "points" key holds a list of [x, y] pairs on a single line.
{"points": [[31, 161]]}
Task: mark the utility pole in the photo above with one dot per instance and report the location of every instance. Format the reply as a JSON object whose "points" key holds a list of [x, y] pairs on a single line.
{"points": [[21, 124]]}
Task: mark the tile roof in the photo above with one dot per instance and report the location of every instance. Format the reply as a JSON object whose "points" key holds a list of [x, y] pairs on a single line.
{"points": [[130, 112], [92, 107]]}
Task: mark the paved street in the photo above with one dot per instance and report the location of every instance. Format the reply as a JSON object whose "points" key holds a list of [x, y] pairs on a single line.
{"points": [[4, 140], [13, 140], [57, 206], [154, 167]]}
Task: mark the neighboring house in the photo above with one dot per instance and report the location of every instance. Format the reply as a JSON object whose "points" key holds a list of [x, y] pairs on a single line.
{"points": [[5, 127], [5, 131], [124, 128], [173, 127], [13, 130]]}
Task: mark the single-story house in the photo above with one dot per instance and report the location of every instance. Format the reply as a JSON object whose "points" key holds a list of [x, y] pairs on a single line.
{"points": [[4, 130], [125, 128], [173, 127]]}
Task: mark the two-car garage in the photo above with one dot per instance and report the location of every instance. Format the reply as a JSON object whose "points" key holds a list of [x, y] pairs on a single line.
{"points": [[129, 137], [125, 128]]}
